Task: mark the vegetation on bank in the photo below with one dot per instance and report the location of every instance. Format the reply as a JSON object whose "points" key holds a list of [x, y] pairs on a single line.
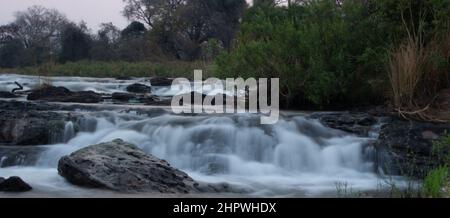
{"points": [[350, 53], [117, 69], [325, 52]]}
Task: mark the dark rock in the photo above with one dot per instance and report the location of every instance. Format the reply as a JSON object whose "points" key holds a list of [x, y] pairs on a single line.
{"points": [[405, 147], [61, 94], [124, 78], [161, 81], [2, 179], [123, 167], [157, 101], [14, 184], [29, 127], [7, 95], [123, 97], [355, 123], [20, 155], [139, 88]]}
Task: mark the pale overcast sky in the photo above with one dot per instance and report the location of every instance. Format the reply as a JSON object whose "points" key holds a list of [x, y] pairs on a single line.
{"points": [[94, 12]]}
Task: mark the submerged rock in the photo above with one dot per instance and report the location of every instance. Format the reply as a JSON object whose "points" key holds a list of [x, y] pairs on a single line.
{"points": [[7, 95], [139, 88], [123, 167], [61, 94], [14, 184]]}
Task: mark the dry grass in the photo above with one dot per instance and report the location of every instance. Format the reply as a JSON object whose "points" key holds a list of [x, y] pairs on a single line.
{"points": [[406, 69], [417, 77]]}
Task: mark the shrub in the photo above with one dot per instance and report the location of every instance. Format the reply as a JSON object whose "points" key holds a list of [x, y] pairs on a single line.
{"points": [[323, 53]]}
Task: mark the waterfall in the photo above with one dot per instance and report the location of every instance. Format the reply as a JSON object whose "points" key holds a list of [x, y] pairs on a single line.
{"points": [[69, 132], [297, 153]]}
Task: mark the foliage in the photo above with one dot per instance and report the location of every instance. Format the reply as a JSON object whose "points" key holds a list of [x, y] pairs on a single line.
{"points": [[441, 150], [418, 63], [321, 51], [75, 43]]}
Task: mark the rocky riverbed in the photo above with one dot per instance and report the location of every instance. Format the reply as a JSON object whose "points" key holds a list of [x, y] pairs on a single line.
{"points": [[120, 138]]}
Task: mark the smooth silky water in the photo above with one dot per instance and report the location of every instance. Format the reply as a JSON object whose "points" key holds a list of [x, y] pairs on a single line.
{"points": [[295, 157]]}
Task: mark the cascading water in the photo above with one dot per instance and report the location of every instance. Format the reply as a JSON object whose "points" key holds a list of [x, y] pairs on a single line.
{"points": [[295, 157], [69, 131]]}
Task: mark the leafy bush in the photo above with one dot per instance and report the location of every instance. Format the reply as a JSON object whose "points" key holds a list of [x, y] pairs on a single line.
{"points": [[322, 52]]}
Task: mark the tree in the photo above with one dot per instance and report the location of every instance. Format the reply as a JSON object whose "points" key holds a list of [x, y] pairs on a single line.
{"points": [[38, 29], [182, 27], [151, 12], [135, 29], [11, 53], [75, 43], [38, 24], [105, 44]]}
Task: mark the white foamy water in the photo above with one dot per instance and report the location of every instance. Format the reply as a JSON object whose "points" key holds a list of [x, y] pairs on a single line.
{"points": [[296, 157], [99, 85]]}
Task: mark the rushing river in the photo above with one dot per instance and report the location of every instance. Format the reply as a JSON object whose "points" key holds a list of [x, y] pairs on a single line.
{"points": [[295, 157]]}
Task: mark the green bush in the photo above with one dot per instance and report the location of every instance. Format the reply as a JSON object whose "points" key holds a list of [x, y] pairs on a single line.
{"points": [[327, 53], [320, 51]]}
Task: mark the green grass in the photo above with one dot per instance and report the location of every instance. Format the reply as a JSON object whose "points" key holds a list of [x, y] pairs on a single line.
{"points": [[435, 182], [117, 69]]}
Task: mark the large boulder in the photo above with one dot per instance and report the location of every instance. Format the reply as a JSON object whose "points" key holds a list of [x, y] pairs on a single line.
{"points": [[139, 88], [14, 184], [123, 167], [21, 127], [61, 94], [406, 147]]}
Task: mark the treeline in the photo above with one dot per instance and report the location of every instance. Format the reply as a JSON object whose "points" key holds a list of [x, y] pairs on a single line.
{"points": [[166, 30], [327, 53], [348, 52]]}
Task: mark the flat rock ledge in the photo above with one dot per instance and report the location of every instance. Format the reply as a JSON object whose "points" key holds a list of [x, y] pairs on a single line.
{"points": [[123, 167]]}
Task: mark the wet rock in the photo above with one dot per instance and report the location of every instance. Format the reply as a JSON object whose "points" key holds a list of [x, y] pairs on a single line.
{"points": [[7, 95], [29, 127], [139, 88], [124, 78], [221, 188], [20, 155], [405, 147], [123, 97], [14, 184], [123, 167], [61, 94], [161, 81], [356, 123]]}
